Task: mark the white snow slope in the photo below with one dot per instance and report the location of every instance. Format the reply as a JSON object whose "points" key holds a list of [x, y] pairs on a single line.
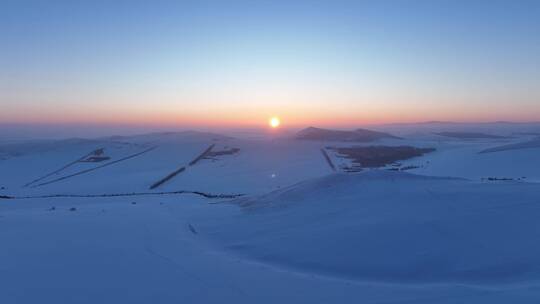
{"points": [[394, 227], [301, 234]]}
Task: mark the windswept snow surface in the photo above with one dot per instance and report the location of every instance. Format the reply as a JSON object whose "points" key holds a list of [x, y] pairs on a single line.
{"points": [[532, 144], [460, 159], [259, 166], [395, 227], [300, 234]]}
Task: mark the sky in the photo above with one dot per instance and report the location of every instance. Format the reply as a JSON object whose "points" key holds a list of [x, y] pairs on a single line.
{"points": [[237, 63]]}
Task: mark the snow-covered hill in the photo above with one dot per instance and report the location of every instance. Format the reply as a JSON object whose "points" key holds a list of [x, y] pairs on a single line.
{"points": [[358, 135], [394, 227], [81, 223]]}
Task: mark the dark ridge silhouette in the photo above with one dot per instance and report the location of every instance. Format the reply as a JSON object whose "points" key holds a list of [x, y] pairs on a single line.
{"points": [[470, 135], [358, 135]]}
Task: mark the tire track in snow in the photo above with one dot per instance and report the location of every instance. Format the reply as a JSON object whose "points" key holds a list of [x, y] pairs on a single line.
{"points": [[194, 276]]}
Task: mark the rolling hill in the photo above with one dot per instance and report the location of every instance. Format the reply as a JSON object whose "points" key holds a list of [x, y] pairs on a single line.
{"points": [[358, 135]]}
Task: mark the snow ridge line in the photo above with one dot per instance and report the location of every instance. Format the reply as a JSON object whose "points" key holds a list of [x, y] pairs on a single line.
{"points": [[204, 194]]}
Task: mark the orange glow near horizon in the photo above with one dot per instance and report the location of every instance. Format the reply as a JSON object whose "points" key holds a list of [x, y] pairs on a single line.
{"points": [[247, 115], [323, 65]]}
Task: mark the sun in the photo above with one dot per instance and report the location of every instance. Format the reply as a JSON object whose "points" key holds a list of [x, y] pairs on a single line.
{"points": [[274, 122]]}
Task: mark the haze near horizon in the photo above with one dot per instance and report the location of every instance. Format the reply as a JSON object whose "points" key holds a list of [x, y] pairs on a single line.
{"points": [[213, 64]]}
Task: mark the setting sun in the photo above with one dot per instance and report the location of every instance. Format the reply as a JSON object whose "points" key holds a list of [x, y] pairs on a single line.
{"points": [[274, 122]]}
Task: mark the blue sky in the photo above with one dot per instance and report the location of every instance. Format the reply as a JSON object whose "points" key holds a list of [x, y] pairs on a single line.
{"points": [[239, 62]]}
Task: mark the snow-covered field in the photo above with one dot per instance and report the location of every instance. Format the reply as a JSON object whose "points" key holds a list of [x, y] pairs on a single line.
{"points": [[266, 220]]}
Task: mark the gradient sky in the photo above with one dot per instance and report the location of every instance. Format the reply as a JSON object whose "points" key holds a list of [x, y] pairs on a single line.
{"points": [[191, 63]]}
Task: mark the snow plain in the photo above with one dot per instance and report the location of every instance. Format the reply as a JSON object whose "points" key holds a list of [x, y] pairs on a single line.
{"points": [[301, 233]]}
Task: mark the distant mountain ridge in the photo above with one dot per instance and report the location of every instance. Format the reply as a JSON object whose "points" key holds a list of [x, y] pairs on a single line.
{"points": [[469, 135], [189, 134], [358, 135]]}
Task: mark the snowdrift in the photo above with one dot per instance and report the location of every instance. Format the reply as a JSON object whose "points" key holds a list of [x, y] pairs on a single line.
{"points": [[393, 227], [532, 144]]}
